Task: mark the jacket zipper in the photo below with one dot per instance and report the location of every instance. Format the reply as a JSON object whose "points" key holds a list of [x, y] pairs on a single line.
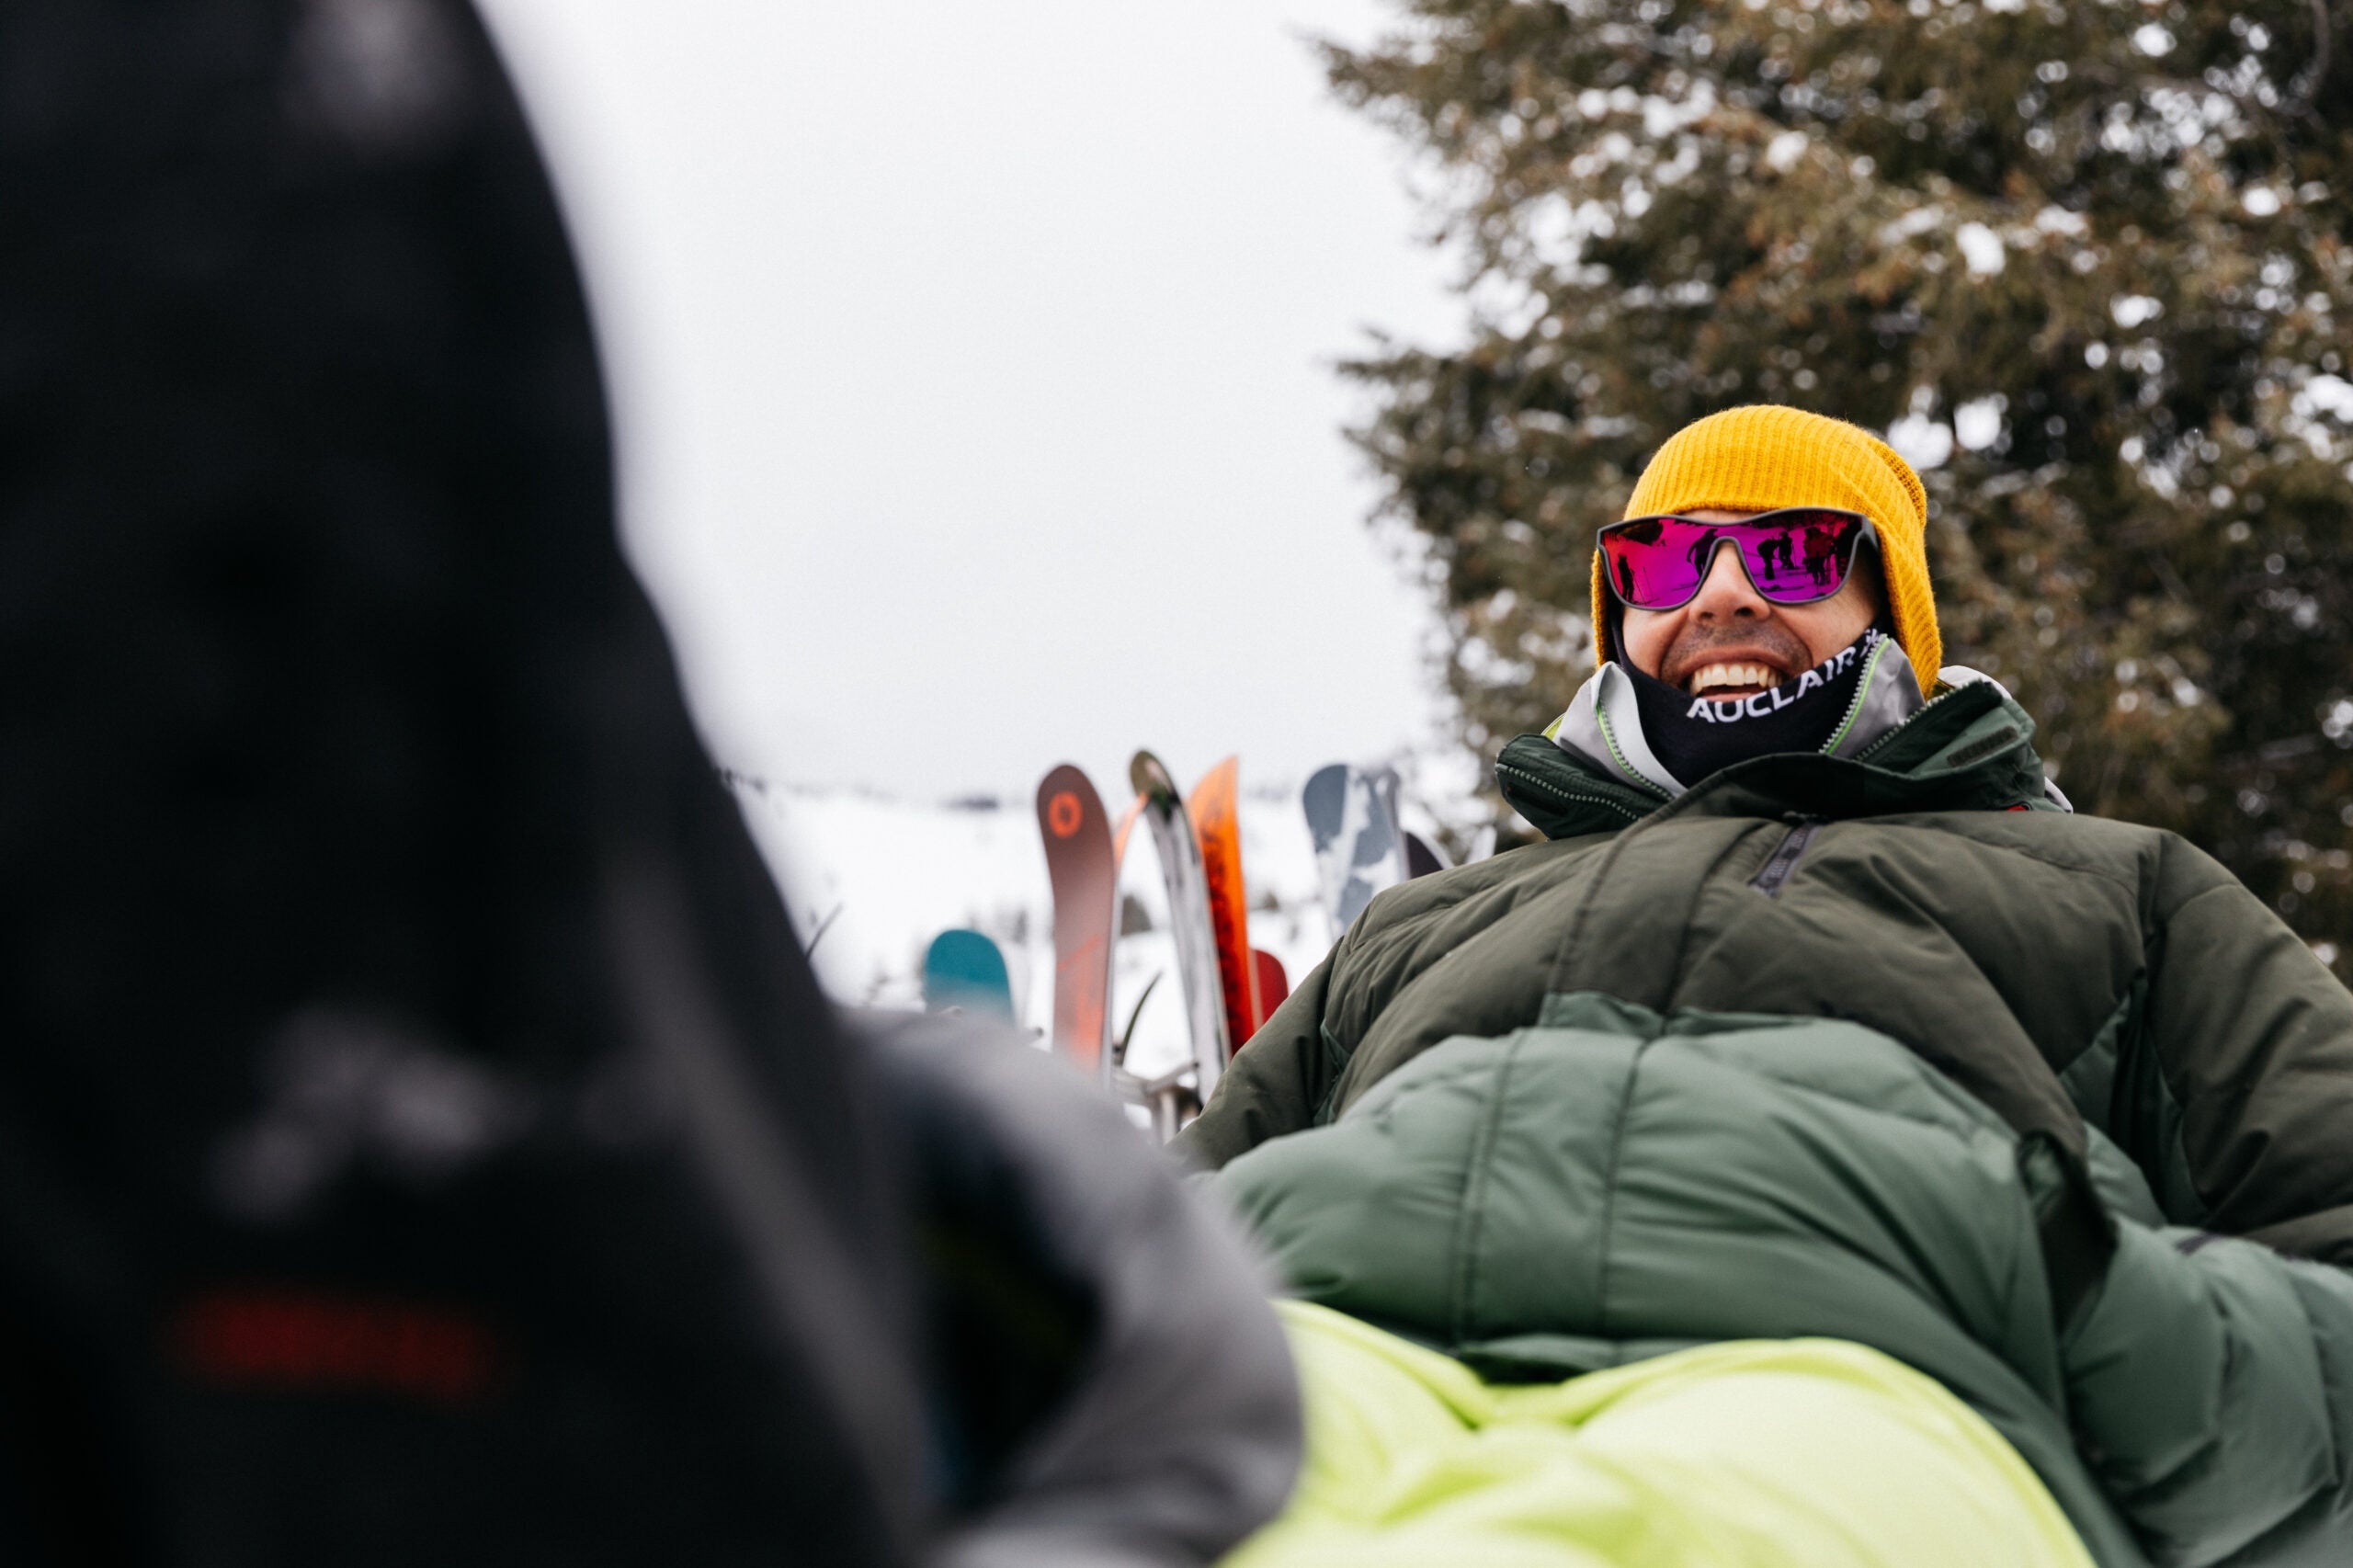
{"points": [[1855, 703], [1566, 797], [1888, 739], [1785, 860]]}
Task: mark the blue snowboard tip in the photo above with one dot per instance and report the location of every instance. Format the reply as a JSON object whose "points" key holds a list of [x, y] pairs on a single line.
{"points": [[963, 968]]}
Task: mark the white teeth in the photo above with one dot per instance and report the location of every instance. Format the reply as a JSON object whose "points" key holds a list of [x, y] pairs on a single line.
{"points": [[1711, 675]]}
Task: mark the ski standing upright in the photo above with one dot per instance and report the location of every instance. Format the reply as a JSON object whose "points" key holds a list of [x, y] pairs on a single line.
{"points": [[1359, 850], [1183, 875], [1082, 864], [1216, 817], [964, 970]]}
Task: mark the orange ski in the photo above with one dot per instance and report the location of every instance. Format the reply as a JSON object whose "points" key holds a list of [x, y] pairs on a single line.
{"points": [[1217, 820]]}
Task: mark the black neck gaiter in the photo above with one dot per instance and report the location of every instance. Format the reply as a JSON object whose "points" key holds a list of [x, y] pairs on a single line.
{"points": [[1694, 737]]}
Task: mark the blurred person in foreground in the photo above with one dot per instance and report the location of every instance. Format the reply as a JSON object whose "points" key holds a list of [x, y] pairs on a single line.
{"points": [[1826, 1148], [421, 1138]]}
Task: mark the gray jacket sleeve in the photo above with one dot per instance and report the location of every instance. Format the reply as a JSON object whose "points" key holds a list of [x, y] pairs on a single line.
{"points": [[1176, 1430]]}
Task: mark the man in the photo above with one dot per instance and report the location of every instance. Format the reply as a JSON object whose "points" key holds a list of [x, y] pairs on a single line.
{"points": [[1819, 1027]]}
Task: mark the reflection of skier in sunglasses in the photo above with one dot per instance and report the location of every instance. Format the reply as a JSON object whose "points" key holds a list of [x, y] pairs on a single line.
{"points": [[1819, 547], [1703, 547], [1821, 1019]]}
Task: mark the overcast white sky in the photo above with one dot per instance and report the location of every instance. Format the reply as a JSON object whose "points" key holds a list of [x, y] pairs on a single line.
{"points": [[973, 371]]}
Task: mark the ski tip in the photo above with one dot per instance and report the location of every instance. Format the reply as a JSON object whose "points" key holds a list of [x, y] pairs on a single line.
{"points": [[1061, 775], [1149, 776], [965, 969], [1067, 802], [1221, 783], [1273, 982]]}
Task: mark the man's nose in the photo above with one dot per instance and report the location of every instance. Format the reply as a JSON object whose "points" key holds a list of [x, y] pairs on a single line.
{"points": [[1726, 594]]}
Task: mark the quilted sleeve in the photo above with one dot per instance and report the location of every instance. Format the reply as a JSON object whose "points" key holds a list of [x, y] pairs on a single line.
{"points": [[1274, 1084], [2210, 1382]]}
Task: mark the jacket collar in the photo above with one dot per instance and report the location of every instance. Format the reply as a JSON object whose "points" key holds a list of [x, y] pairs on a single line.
{"points": [[1967, 748], [1603, 725]]}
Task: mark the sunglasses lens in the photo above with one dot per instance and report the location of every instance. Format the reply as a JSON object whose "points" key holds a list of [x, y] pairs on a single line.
{"points": [[1793, 557], [1800, 557], [1657, 562]]}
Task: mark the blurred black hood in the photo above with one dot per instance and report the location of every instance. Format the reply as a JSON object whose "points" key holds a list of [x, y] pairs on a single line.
{"points": [[379, 942]]}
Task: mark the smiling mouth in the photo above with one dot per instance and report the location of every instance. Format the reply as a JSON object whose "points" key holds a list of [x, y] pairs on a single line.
{"points": [[1732, 679]]}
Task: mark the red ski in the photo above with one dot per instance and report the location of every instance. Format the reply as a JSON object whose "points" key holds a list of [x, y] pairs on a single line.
{"points": [[1274, 985], [1082, 865]]}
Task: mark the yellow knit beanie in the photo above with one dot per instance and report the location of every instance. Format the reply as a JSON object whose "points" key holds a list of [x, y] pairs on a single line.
{"points": [[1763, 456]]}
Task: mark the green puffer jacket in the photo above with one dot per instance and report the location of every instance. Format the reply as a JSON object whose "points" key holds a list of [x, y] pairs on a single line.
{"points": [[1843, 1045]]}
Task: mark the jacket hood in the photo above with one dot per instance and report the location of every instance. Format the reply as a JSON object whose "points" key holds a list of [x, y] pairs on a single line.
{"points": [[1969, 748]]}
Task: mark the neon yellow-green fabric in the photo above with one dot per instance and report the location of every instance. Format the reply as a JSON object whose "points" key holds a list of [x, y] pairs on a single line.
{"points": [[1787, 1453]]}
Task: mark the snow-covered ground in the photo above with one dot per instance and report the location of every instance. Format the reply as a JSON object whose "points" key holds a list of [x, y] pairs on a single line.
{"points": [[882, 876]]}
